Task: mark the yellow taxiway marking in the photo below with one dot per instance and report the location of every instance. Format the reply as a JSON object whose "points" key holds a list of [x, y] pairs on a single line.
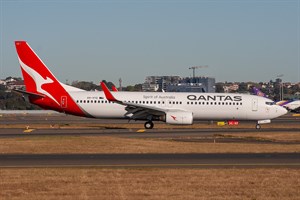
{"points": [[28, 130], [296, 115], [141, 131]]}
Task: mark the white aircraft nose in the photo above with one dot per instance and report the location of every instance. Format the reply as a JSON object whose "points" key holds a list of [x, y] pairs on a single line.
{"points": [[281, 110]]}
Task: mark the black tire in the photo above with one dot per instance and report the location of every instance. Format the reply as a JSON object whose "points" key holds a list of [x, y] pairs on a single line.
{"points": [[257, 126], [148, 125]]}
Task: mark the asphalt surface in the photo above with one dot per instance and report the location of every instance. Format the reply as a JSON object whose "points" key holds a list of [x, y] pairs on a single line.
{"points": [[183, 135], [69, 119], [228, 160]]}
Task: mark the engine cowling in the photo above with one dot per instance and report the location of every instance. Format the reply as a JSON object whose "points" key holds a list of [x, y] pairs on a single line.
{"points": [[179, 117]]}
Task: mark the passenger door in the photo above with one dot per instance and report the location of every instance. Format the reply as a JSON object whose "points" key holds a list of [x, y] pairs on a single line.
{"points": [[254, 104]]}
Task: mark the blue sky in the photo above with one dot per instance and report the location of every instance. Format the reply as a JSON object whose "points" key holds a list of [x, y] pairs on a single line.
{"points": [[95, 40]]}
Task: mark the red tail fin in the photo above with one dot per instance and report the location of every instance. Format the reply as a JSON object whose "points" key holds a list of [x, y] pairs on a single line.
{"points": [[35, 72], [39, 80], [114, 88]]}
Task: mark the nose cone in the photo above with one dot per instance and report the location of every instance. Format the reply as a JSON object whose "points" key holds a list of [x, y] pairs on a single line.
{"points": [[281, 111]]}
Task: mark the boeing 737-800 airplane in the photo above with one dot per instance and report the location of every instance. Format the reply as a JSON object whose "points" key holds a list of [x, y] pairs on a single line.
{"points": [[44, 90]]}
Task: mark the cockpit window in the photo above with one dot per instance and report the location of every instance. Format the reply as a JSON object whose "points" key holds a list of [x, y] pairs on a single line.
{"points": [[270, 103]]}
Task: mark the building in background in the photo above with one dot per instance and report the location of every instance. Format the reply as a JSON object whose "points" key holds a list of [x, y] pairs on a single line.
{"points": [[179, 84], [158, 83]]}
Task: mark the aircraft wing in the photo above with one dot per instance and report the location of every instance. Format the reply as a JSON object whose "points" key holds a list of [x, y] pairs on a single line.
{"points": [[136, 111]]}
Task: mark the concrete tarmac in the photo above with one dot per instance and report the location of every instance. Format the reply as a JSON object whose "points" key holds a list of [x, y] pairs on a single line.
{"points": [[228, 160]]}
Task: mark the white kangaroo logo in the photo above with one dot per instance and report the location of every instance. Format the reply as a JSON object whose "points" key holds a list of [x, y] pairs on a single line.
{"points": [[38, 79]]}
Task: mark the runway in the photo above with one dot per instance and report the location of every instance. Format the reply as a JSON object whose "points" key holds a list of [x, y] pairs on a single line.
{"points": [[119, 160], [229, 160]]}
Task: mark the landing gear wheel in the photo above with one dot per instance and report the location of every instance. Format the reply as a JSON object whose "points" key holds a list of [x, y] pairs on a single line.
{"points": [[148, 125], [257, 126]]}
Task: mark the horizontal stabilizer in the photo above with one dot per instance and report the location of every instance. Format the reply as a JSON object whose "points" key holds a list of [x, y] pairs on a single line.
{"points": [[29, 93]]}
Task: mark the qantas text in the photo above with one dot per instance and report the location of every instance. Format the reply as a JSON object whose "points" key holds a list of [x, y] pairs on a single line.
{"points": [[214, 98]]}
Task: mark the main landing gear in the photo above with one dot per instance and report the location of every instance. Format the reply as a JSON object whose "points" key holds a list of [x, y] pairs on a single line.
{"points": [[148, 125]]}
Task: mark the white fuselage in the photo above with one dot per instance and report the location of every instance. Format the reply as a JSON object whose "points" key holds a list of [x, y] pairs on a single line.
{"points": [[203, 106]]}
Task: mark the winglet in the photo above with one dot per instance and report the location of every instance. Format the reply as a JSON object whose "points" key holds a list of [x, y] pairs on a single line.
{"points": [[114, 88], [107, 93], [257, 92]]}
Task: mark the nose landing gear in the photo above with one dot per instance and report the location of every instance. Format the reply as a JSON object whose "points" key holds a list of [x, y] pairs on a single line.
{"points": [[257, 126]]}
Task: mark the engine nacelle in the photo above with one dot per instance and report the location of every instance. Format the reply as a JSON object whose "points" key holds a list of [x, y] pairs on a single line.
{"points": [[179, 117]]}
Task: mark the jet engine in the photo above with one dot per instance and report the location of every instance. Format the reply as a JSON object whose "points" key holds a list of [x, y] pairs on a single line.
{"points": [[179, 117]]}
